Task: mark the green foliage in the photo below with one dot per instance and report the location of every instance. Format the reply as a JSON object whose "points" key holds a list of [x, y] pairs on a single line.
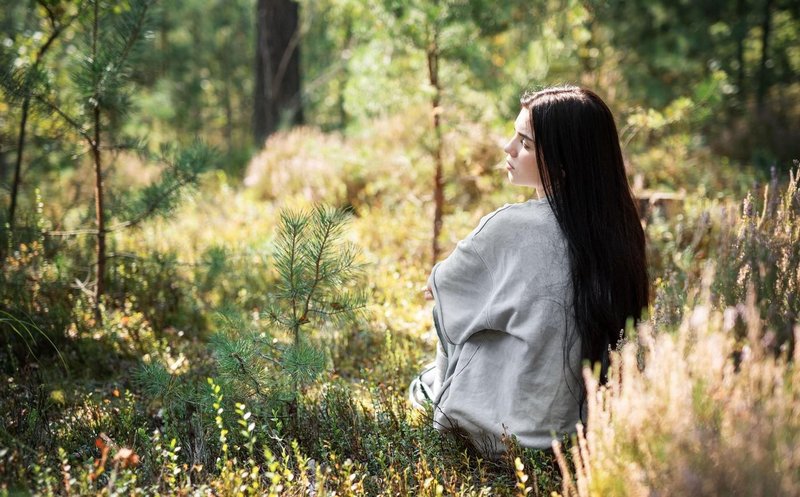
{"points": [[91, 109], [197, 79], [26, 331], [315, 269], [273, 360], [307, 393], [755, 252], [160, 198], [115, 39], [32, 298]]}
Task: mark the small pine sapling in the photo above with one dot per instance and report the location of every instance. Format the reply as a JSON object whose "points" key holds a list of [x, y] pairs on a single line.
{"points": [[275, 358]]}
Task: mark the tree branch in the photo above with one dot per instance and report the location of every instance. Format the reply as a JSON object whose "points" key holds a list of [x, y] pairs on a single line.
{"points": [[317, 278], [149, 210], [248, 374], [72, 122]]}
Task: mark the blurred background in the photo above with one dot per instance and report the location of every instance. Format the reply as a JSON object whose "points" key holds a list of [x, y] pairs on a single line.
{"points": [[696, 86]]}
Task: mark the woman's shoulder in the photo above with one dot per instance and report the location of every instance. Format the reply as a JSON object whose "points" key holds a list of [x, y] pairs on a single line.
{"points": [[534, 217]]}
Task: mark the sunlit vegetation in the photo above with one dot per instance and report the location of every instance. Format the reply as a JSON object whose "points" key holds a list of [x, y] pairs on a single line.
{"points": [[263, 314]]}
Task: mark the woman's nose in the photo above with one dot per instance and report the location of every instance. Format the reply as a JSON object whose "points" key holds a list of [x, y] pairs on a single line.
{"points": [[509, 148]]}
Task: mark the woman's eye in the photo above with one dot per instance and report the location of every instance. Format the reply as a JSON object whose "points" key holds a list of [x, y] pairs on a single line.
{"points": [[524, 142]]}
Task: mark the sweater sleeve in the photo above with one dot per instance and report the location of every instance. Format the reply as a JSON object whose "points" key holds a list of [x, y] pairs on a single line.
{"points": [[462, 287]]}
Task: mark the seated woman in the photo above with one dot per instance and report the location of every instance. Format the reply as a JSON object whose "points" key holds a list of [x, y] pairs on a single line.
{"points": [[538, 287]]}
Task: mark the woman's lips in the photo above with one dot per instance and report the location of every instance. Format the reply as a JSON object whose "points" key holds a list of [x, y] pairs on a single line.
{"points": [[509, 166]]}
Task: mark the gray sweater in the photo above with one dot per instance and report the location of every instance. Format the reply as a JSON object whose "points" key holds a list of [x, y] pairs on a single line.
{"points": [[503, 311]]}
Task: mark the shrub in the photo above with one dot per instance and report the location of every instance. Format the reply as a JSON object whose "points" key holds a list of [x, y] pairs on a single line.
{"points": [[705, 416]]}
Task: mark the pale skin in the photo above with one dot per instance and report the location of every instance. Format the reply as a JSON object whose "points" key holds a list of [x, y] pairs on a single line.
{"points": [[520, 162]]}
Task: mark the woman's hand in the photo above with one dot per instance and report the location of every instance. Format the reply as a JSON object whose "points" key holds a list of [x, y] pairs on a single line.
{"points": [[428, 293]]}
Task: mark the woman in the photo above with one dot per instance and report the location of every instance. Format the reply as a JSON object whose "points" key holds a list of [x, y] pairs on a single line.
{"points": [[539, 287]]}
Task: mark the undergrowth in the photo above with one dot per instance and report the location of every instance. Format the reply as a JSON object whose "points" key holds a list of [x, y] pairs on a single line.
{"points": [[701, 399]]}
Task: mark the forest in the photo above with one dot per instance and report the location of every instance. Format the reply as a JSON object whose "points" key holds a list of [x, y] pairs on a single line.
{"points": [[217, 219]]}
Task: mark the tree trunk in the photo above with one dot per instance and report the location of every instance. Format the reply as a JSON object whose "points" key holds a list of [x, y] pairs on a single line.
{"points": [[438, 181], [741, 34], [24, 122], [763, 80], [99, 289], [18, 165], [228, 105], [277, 89], [348, 38]]}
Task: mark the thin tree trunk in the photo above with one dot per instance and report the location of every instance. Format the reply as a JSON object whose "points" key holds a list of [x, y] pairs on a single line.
{"points": [[99, 217], [228, 70], [18, 165], [345, 76], [3, 167], [57, 28], [226, 100], [763, 80], [438, 181], [99, 289], [163, 36], [228, 129]]}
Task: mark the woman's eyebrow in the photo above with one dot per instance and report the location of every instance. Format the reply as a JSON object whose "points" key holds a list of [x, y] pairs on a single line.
{"points": [[524, 136]]}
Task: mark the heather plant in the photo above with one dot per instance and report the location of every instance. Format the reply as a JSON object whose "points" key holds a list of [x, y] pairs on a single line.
{"points": [[322, 174], [695, 412], [754, 249], [762, 252]]}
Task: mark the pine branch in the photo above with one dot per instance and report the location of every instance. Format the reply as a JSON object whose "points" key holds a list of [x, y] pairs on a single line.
{"points": [[57, 27], [136, 30], [327, 231], [150, 210], [303, 362], [68, 119], [337, 311], [291, 227], [268, 358], [124, 37], [184, 172], [246, 372], [78, 232], [273, 316], [342, 307], [346, 268]]}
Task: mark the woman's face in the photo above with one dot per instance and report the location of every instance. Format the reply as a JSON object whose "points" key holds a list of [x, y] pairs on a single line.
{"points": [[521, 160]]}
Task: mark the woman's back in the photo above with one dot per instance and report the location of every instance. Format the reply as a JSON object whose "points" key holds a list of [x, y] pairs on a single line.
{"points": [[503, 313], [539, 287]]}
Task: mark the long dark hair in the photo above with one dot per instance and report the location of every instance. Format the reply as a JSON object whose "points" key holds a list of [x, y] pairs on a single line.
{"points": [[583, 176]]}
